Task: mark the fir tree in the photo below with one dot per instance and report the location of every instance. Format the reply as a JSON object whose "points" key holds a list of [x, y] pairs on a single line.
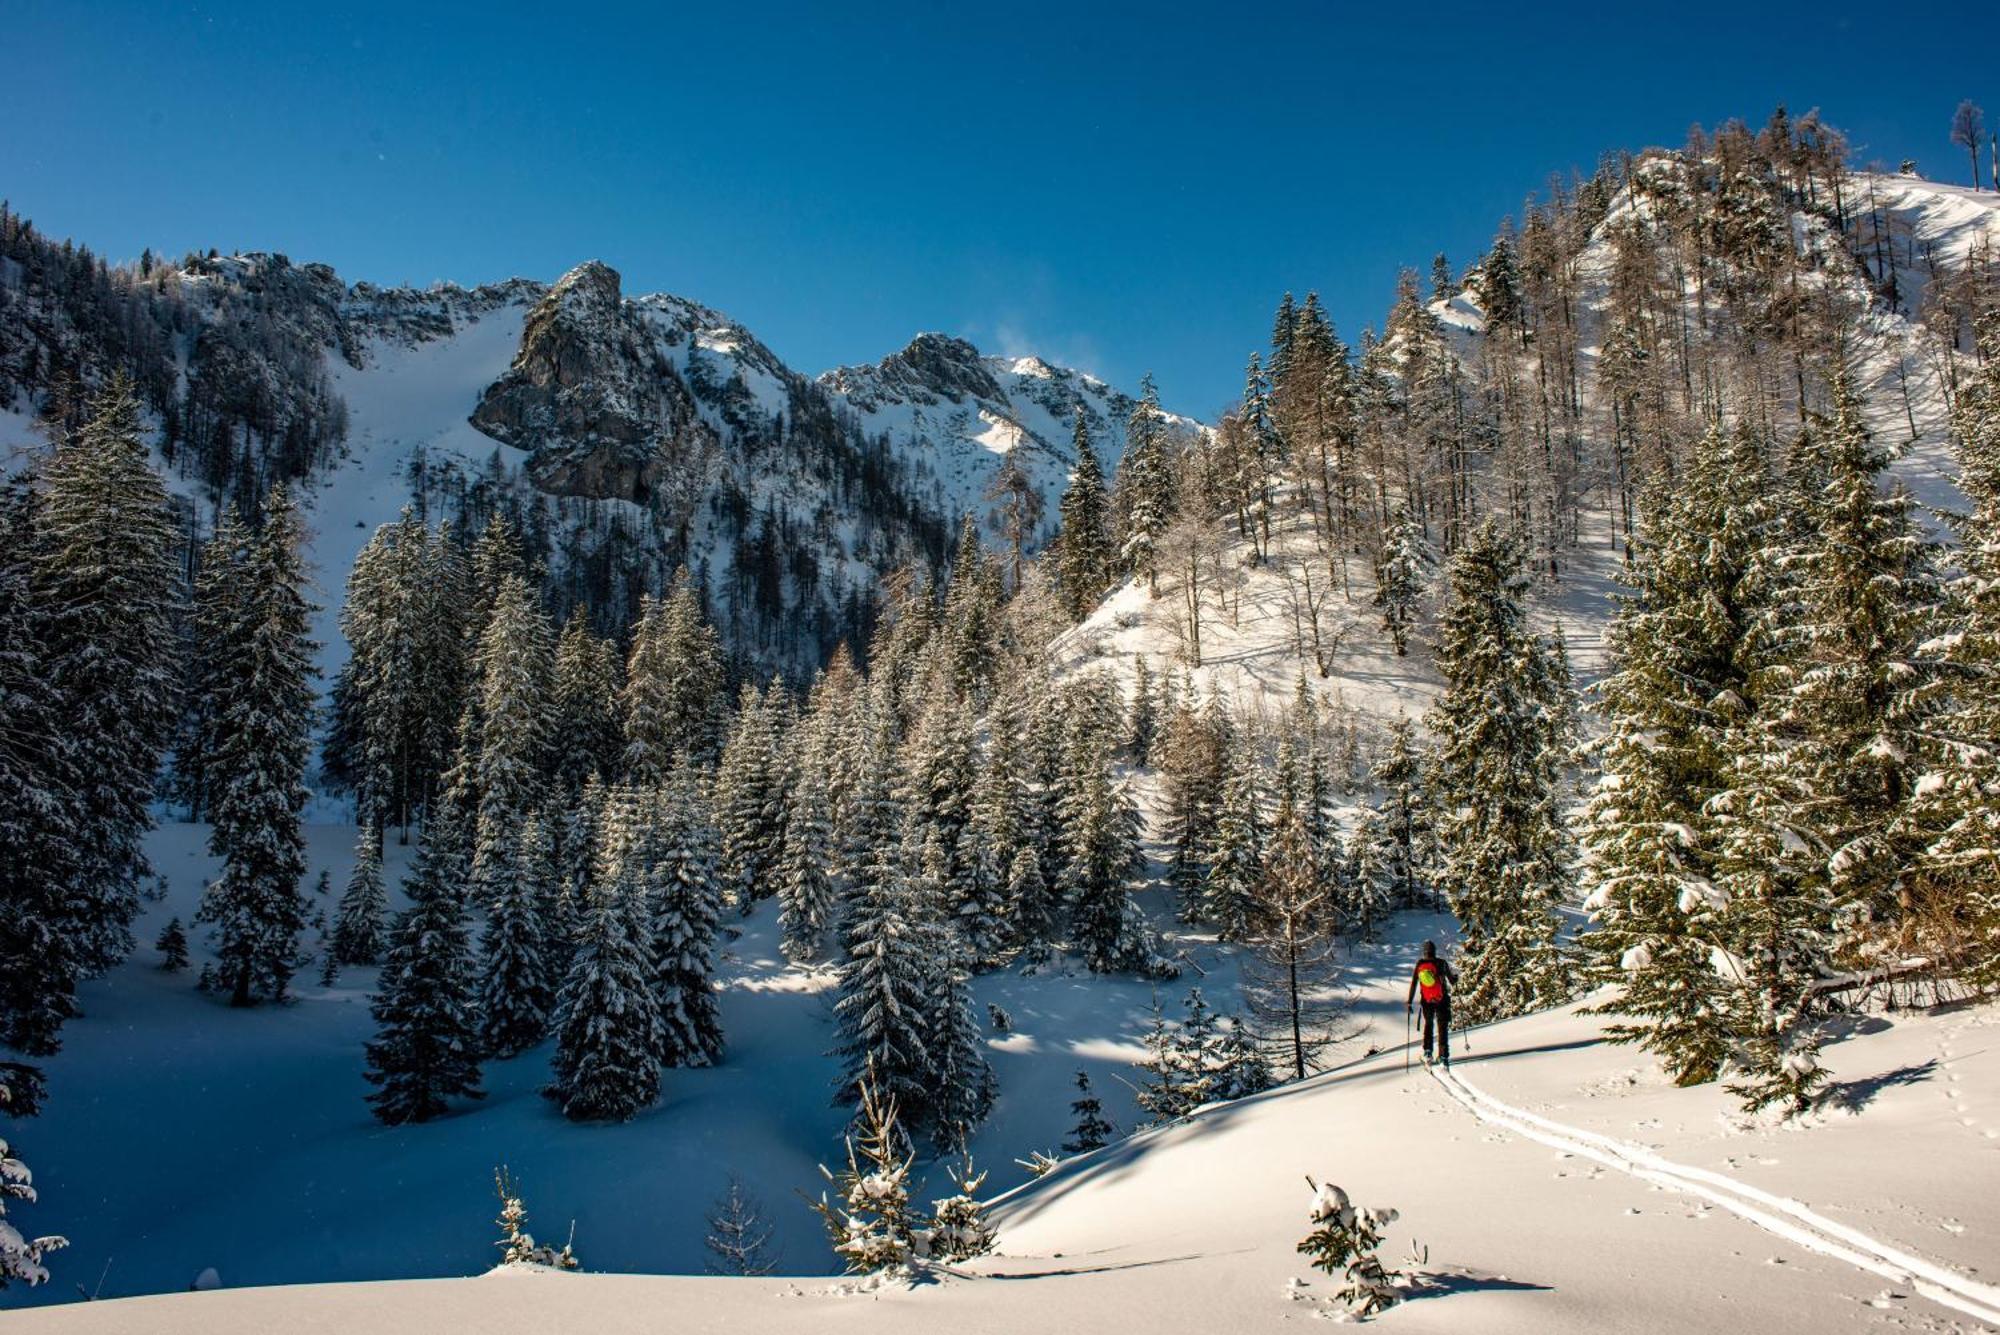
{"points": [[1402, 577], [588, 735], [101, 586], [1405, 815], [20, 1256], [686, 900], [1144, 486], [517, 987], [1092, 1130], [357, 930], [264, 714], [1495, 778], [607, 1066], [1083, 543], [514, 663], [425, 1050], [1101, 827], [750, 800], [871, 1228], [1683, 647], [173, 947], [883, 1001], [959, 1228], [1236, 859], [962, 1087], [807, 893]]}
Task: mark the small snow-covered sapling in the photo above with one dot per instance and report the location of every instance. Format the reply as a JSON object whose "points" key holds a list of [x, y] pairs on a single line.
{"points": [[1343, 1242]]}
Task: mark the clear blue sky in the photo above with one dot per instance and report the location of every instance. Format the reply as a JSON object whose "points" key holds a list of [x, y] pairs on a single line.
{"points": [[1120, 186]]}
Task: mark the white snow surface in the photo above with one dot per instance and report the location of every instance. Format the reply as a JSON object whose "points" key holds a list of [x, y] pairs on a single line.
{"points": [[1559, 1184]]}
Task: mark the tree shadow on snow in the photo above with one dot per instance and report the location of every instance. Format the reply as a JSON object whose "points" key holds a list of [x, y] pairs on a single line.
{"points": [[1854, 1095], [1442, 1284]]}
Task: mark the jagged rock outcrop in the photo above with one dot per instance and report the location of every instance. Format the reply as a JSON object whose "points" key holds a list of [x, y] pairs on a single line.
{"points": [[602, 410], [933, 368]]}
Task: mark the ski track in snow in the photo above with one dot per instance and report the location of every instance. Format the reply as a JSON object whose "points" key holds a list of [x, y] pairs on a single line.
{"points": [[1786, 1218]]}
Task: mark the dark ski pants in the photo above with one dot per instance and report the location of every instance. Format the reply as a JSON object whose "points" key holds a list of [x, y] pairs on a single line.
{"points": [[1438, 1013]]}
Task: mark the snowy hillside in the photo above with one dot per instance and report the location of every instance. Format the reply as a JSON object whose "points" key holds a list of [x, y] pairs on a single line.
{"points": [[628, 435], [1553, 1184]]}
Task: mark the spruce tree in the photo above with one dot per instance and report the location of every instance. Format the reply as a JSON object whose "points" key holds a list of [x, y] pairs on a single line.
{"points": [[1092, 1130], [357, 929], [1955, 809], [1683, 647], [1236, 857], [425, 1052], [1083, 554], [1495, 781], [517, 986], [46, 876], [264, 716], [20, 1255], [173, 946], [514, 664], [807, 892], [1402, 577], [750, 788], [962, 1087], [102, 589], [588, 736], [685, 902], [1145, 487], [1101, 835], [1405, 815], [883, 1002], [607, 1065]]}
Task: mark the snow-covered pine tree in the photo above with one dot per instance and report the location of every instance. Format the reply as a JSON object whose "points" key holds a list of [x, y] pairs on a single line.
{"points": [[1403, 574], [970, 617], [1955, 812], [686, 904], [1859, 697], [871, 1228], [959, 1229], [173, 946], [102, 581], [1165, 1095], [358, 919], [1093, 1131], [588, 736], [1683, 646], [1494, 778], [263, 712], [515, 664], [1192, 755], [607, 1066], [1406, 817], [1101, 837], [750, 787], [220, 586], [1145, 486], [673, 677], [961, 1082], [43, 820], [808, 895], [1343, 1242], [883, 1007], [1369, 887], [20, 1255], [1143, 718], [1236, 856], [517, 985], [425, 1052], [1082, 555], [1237, 1061]]}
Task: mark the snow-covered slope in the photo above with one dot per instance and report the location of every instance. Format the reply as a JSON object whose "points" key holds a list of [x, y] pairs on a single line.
{"points": [[959, 413], [1554, 1184]]}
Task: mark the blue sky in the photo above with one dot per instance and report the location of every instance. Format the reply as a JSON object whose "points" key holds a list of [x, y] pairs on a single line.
{"points": [[1120, 186]]}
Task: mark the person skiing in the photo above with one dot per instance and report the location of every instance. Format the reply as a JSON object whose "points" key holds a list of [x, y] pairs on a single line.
{"points": [[1432, 978]]}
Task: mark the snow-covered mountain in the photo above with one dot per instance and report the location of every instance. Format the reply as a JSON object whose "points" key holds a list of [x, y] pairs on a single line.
{"points": [[628, 435]]}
